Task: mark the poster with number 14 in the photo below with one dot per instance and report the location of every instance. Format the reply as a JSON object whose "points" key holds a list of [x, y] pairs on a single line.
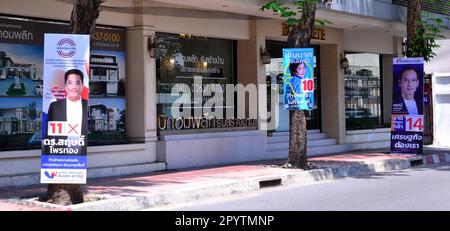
{"points": [[407, 106]]}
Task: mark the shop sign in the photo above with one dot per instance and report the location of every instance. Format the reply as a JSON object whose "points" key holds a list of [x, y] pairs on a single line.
{"points": [[407, 106], [170, 123], [65, 109], [318, 33], [298, 78]]}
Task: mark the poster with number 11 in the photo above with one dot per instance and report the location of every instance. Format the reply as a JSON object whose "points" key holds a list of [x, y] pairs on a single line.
{"points": [[65, 104]]}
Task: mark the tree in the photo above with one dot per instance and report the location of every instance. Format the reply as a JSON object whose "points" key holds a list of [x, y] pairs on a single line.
{"points": [[423, 28], [82, 21], [302, 21]]}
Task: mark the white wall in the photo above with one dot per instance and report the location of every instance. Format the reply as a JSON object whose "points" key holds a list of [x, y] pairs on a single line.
{"points": [[440, 63], [50, 9], [196, 23], [441, 108], [210, 27], [368, 41], [207, 149]]}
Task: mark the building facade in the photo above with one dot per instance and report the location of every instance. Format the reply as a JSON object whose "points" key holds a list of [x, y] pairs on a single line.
{"points": [[186, 86]]}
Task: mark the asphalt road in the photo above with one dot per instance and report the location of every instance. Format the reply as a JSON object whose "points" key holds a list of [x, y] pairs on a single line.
{"points": [[418, 188]]}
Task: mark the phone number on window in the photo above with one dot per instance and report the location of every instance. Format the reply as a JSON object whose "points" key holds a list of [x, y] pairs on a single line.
{"points": [[107, 37]]}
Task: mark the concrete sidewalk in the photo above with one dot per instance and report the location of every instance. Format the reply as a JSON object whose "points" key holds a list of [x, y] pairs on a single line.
{"points": [[162, 188]]}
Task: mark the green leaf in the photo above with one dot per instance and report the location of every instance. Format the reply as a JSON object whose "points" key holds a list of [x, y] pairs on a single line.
{"points": [[293, 21], [327, 21]]}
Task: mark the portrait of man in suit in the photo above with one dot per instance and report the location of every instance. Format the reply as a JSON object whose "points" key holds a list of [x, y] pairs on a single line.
{"points": [[407, 101], [73, 110]]}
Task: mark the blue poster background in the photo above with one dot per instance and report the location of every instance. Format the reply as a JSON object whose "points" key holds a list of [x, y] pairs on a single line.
{"points": [[406, 142], [407, 106], [398, 106], [298, 66]]}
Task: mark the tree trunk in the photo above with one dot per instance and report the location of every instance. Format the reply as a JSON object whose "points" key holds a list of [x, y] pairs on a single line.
{"points": [[300, 37], [82, 21], [414, 18], [84, 15], [297, 140], [64, 194]]}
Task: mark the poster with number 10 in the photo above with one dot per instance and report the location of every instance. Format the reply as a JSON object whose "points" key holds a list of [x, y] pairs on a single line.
{"points": [[298, 78]]}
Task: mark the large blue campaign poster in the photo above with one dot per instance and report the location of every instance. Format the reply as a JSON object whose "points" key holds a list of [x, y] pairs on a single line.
{"points": [[298, 78], [407, 106], [65, 109]]}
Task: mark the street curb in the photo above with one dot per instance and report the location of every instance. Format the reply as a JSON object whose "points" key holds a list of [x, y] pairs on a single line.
{"points": [[197, 191], [222, 187], [436, 158]]}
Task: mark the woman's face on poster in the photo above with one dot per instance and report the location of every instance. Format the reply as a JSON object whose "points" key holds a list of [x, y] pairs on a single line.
{"points": [[301, 70]]}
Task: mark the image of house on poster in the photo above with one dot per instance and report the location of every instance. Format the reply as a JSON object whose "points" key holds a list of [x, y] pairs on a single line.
{"points": [[20, 70], [107, 73], [20, 122], [106, 120]]}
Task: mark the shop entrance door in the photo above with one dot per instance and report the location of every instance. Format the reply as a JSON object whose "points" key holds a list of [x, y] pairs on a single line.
{"points": [[274, 75]]}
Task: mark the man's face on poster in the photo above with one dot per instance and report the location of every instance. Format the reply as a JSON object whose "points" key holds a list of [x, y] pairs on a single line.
{"points": [[74, 86], [409, 82]]}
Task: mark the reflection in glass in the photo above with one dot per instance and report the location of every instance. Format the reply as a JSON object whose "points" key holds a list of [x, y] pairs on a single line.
{"points": [[362, 91], [184, 59]]}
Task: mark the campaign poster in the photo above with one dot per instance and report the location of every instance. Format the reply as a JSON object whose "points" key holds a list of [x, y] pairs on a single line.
{"points": [[65, 109], [407, 106], [298, 78]]}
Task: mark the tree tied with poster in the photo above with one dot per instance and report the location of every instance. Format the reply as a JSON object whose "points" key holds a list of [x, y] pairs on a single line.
{"points": [[82, 21], [300, 15]]}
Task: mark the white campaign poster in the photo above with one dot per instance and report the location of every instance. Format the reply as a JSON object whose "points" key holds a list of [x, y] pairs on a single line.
{"points": [[65, 109]]}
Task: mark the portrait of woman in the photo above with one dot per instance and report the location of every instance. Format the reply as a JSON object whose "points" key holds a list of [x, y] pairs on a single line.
{"points": [[295, 97]]}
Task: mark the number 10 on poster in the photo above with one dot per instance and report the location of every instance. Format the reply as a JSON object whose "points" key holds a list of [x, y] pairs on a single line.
{"points": [[308, 85]]}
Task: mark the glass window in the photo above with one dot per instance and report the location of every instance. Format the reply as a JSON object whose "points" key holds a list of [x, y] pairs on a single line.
{"points": [[362, 91], [21, 84], [202, 64]]}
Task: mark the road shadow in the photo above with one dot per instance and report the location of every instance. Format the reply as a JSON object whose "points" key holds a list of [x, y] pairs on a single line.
{"points": [[382, 175]]}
